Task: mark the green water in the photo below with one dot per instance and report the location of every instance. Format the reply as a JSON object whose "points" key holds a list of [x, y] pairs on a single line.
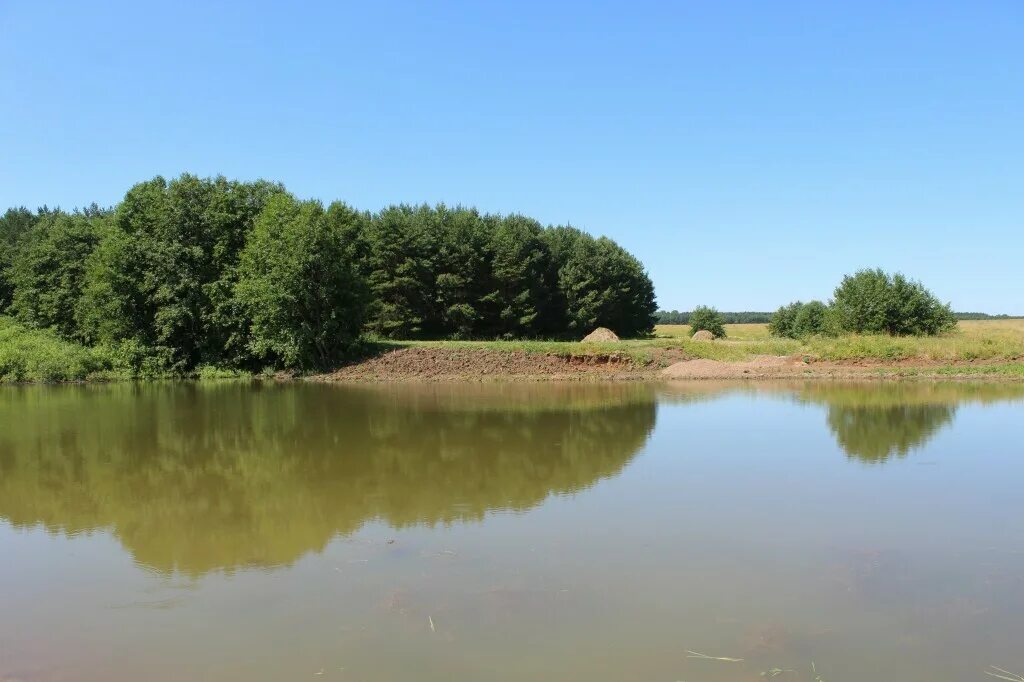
{"points": [[235, 531]]}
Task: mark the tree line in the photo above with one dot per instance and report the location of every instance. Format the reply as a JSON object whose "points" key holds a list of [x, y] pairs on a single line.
{"points": [[677, 317], [215, 272]]}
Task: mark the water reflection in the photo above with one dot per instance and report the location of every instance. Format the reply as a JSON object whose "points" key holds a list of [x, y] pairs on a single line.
{"points": [[871, 422], [194, 478], [874, 424]]}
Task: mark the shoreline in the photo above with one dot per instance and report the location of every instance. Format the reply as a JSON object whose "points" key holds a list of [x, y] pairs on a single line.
{"points": [[427, 363]]}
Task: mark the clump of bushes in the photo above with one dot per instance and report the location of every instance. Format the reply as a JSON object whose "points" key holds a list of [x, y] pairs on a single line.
{"points": [[875, 302], [707, 319], [37, 355], [867, 302], [799, 320]]}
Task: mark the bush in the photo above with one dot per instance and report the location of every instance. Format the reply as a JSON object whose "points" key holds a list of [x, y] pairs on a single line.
{"points": [[875, 302], [811, 319], [707, 319], [783, 322], [37, 355]]}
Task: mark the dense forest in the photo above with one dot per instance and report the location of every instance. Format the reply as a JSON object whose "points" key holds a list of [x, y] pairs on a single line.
{"points": [[199, 272]]}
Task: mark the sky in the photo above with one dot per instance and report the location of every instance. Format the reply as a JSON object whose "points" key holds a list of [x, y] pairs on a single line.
{"points": [[748, 153]]}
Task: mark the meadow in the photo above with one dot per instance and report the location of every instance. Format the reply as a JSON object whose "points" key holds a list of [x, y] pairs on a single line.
{"points": [[971, 341]]}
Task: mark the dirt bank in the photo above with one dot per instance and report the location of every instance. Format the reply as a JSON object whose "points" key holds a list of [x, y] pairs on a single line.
{"points": [[479, 364], [428, 363]]}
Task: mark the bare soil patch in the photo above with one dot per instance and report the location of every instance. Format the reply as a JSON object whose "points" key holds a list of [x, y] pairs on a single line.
{"points": [[757, 367], [440, 363], [478, 364]]}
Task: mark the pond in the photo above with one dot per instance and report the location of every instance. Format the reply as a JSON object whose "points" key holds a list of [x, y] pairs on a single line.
{"points": [[692, 531]]}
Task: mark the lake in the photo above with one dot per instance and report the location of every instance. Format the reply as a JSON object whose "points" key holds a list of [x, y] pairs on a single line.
{"points": [[299, 531]]}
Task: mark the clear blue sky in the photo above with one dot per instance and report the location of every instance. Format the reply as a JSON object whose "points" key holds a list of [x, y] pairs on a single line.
{"points": [[749, 153]]}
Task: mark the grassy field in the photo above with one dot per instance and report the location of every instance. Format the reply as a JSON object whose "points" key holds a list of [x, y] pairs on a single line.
{"points": [[972, 341], [996, 340]]}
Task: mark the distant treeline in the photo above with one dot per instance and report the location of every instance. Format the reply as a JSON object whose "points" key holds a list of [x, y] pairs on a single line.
{"points": [[676, 317], [213, 272], [986, 316]]}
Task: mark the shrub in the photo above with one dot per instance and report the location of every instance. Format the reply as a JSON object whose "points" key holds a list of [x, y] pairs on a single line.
{"points": [[811, 319], [40, 355], [707, 319], [875, 302], [783, 322]]}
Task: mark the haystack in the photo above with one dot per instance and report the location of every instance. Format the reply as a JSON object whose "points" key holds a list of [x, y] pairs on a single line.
{"points": [[703, 335], [601, 334]]}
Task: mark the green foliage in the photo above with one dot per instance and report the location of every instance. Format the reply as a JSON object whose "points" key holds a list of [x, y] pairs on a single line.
{"points": [[746, 317], [875, 302], [298, 284], [49, 274], [40, 355], [811, 319], [985, 316], [454, 273], [399, 267], [708, 319], [867, 302], [15, 223], [164, 274], [783, 322], [605, 286], [519, 295], [156, 281], [799, 320]]}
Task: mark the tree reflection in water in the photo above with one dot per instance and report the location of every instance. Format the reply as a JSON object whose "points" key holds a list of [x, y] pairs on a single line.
{"points": [[200, 477]]}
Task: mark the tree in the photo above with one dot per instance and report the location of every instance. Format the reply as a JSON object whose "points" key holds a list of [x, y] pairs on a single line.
{"points": [[875, 302], [604, 286], [812, 319], [783, 322], [156, 280], [15, 224], [48, 275], [164, 276], [798, 320], [299, 286], [519, 294], [400, 269], [463, 276], [707, 319]]}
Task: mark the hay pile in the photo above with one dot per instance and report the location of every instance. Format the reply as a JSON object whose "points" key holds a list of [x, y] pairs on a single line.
{"points": [[703, 335], [601, 334]]}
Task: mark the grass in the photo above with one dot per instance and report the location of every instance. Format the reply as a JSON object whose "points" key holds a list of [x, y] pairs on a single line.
{"points": [[40, 356], [976, 340], [997, 343]]}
